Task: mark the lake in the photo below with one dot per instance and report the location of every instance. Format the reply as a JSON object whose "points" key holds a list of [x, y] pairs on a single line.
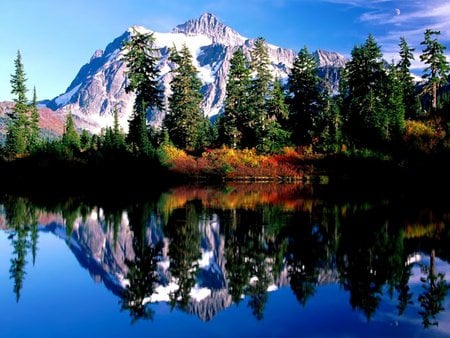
{"points": [[241, 260]]}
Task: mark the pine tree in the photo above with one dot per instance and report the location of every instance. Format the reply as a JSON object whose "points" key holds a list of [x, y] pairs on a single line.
{"points": [[33, 139], [143, 76], [330, 122], [185, 117], [70, 137], [85, 140], [16, 138], [406, 79], [436, 72], [395, 102], [305, 99], [257, 127], [118, 139], [367, 120], [236, 106], [278, 114], [277, 108]]}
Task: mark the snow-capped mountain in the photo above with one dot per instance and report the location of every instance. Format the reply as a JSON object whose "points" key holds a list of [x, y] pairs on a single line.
{"points": [[100, 84]]}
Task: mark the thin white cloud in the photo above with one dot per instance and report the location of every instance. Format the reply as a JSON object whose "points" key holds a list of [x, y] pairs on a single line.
{"points": [[358, 3], [403, 18]]}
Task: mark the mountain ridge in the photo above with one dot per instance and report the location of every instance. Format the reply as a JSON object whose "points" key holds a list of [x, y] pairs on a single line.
{"points": [[100, 84]]}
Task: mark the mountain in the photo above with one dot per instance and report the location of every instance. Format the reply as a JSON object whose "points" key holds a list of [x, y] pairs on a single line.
{"points": [[100, 84], [51, 124]]}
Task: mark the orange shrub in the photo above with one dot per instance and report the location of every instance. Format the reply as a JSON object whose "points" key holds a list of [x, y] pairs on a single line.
{"points": [[232, 163]]}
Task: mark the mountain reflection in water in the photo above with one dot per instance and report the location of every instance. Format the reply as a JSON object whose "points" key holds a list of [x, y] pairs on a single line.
{"points": [[203, 249]]}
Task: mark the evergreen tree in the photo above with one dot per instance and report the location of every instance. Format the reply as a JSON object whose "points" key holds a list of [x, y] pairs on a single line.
{"points": [[395, 102], [277, 107], [143, 79], [367, 120], [436, 72], [305, 98], [85, 140], [236, 106], [257, 127], [70, 137], [185, 117], [16, 138], [118, 139], [406, 79], [278, 114], [330, 122], [33, 140]]}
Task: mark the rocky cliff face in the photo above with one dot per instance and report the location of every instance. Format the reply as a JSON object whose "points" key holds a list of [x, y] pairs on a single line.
{"points": [[100, 84]]}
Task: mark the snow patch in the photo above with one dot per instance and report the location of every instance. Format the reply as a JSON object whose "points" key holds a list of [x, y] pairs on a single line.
{"points": [[194, 44], [65, 98], [206, 74]]}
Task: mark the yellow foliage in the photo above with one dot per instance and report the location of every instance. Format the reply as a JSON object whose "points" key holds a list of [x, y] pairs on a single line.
{"points": [[422, 137], [169, 153]]}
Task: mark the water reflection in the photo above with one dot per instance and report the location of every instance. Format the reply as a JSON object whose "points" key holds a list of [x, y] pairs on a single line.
{"points": [[202, 249]]}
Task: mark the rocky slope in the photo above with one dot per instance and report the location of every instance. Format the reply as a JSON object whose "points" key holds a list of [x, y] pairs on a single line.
{"points": [[51, 124]]}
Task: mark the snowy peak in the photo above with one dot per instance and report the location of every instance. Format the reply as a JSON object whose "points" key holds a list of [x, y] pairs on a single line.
{"points": [[99, 86], [209, 25], [330, 59]]}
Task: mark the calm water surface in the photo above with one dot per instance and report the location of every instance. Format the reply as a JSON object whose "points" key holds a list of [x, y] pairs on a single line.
{"points": [[241, 261]]}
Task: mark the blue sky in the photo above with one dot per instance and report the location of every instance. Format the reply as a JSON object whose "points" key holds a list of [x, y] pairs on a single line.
{"points": [[57, 37]]}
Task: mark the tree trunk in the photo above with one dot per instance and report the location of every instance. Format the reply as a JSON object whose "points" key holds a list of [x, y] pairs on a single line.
{"points": [[434, 96]]}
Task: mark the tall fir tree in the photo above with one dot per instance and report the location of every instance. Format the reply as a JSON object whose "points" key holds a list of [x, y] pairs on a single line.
{"points": [[406, 79], [16, 137], [33, 140], [277, 107], [258, 120], [143, 78], [437, 68], [231, 124], [118, 138], [395, 102], [330, 122], [85, 140], [305, 98], [278, 114], [70, 137], [185, 118], [367, 121]]}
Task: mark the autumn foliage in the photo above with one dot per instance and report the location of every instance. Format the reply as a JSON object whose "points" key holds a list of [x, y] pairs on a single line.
{"points": [[235, 164], [423, 137]]}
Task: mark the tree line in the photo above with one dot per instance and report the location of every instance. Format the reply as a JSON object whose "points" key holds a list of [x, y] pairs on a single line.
{"points": [[374, 104]]}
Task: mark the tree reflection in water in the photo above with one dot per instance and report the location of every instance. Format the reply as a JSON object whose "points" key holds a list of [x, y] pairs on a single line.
{"points": [[183, 232], [435, 289], [21, 218], [272, 236], [142, 273]]}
